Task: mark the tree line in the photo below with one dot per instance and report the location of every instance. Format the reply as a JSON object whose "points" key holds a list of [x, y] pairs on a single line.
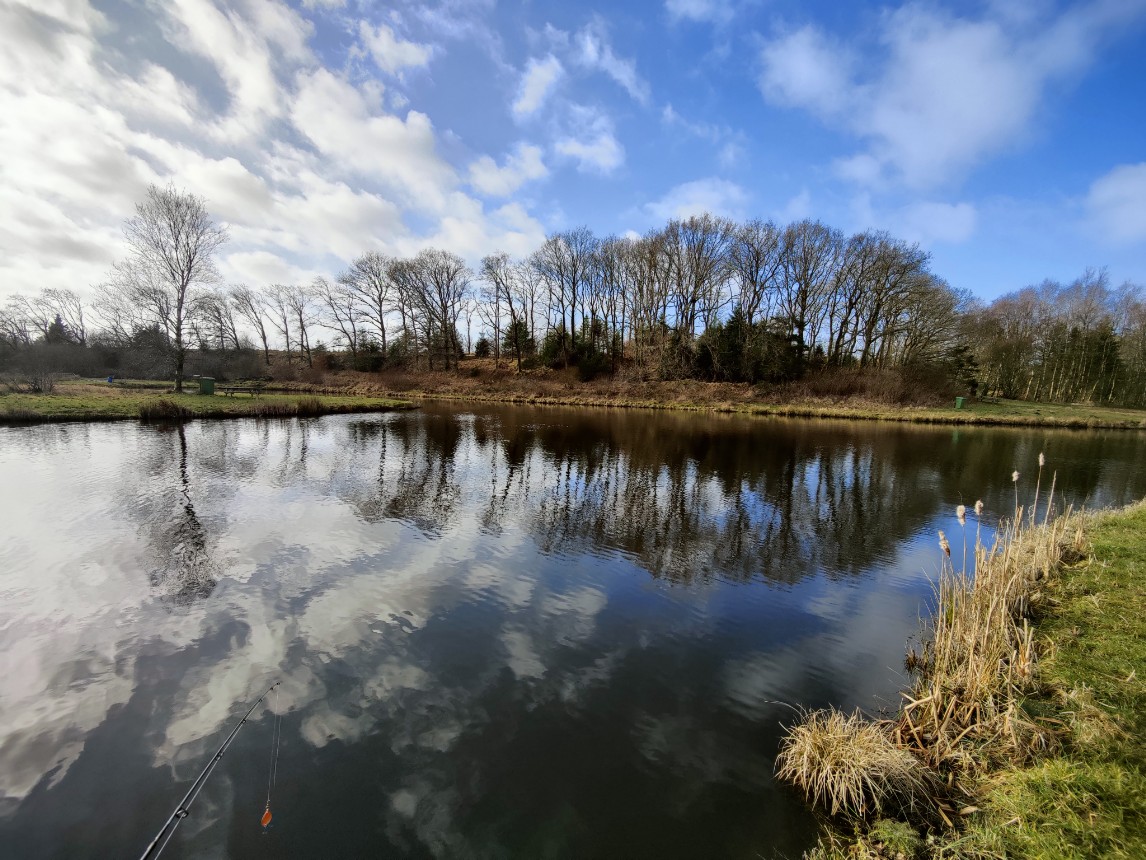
{"points": [[702, 297]]}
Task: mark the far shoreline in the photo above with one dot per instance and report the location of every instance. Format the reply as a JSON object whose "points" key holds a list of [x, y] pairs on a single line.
{"points": [[99, 401]]}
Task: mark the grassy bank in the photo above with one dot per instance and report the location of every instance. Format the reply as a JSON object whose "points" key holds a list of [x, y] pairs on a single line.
{"points": [[479, 382], [100, 401], [1023, 736], [849, 397]]}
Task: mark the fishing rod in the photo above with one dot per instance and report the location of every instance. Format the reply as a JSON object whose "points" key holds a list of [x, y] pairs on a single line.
{"points": [[183, 809]]}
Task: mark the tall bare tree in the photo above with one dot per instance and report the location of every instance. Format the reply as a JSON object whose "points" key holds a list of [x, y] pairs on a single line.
{"points": [[171, 244], [251, 306], [341, 311], [369, 278], [279, 311]]}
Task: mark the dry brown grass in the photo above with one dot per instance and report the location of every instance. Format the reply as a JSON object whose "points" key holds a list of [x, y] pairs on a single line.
{"points": [[850, 766], [163, 409], [967, 711], [303, 407]]}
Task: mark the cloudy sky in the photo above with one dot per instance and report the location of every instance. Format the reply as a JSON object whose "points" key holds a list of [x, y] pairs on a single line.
{"points": [[1007, 136]]}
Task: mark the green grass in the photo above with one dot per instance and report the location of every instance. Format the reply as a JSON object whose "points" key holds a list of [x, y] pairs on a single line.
{"points": [[98, 401], [1090, 800], [1016, 413]]}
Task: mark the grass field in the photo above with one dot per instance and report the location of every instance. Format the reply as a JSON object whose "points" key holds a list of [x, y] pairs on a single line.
{"points": [[88, 400]]}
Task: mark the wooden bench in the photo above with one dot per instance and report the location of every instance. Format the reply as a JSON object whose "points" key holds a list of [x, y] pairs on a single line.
{"points": [[232, 390]]}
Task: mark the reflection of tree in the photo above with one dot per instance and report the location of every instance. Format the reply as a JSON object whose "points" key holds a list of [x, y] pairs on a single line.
{"points": [[415, 474], [689, 496], [185, 570]]}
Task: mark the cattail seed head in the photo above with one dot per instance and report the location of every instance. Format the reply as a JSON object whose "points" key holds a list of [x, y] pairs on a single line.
{"points": [[979, 508], [946, 547], [1015, 476], [1042, 459], [961, 513]]}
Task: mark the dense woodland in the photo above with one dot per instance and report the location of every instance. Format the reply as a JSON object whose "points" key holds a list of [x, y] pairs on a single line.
{"points": [[702, 297]]}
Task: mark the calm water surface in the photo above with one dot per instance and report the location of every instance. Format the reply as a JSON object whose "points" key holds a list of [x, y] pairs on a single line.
{"points": [[501, 632]]}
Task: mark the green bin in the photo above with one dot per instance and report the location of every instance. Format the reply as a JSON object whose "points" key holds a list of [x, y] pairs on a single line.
{"points": [[958, 402], [206, 385]]}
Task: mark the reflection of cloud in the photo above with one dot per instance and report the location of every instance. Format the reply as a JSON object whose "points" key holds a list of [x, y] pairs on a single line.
{"points": [[521, 655], [573, 614], [443, 638]]}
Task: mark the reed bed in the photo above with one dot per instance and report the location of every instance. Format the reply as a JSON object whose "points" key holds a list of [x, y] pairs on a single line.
{"points": [[163, 409], [967, 709], [303, 407]]}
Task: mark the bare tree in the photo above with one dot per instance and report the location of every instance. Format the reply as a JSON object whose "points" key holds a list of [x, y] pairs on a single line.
{"points": [[251, 307], [756, 265], [16, 329], [171, 243], [496, 271], [505, 280], [434, 287], [279, 311], [564, 263], [214, 321], [300, 303], [53, 306], [811, 253], [341, 311], [369, 279], [698, 251]]}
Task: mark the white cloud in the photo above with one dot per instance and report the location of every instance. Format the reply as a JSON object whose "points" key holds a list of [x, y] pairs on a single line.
{"points": [[730, 144], [390, 53], [931, 222], [595, 52], [717, 11], [243, 53], [263, 267], [939, 93], [928, 222], [715, 196], [597, 149], [305, 167], [522, 165], [1116, 203], [538, 81], [805, 69], [797, 208], [336, 117]]}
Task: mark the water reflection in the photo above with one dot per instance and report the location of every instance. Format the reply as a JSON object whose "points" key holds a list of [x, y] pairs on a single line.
{"points": [[185, 570], [501, 632]]}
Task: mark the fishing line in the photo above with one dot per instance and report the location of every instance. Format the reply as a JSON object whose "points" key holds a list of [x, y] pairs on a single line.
{"points": [[273, 769], [156, 846]]}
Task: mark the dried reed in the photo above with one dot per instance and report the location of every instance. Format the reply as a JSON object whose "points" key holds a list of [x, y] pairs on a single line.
{"points": [[851, 766], [164, 410], [965, 710]]}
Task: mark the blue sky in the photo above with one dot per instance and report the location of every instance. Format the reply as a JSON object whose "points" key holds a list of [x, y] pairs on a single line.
{"points": [[1008, 138]]}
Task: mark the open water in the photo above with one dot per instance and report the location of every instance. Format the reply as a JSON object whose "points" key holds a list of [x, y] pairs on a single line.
{"points": [[500, 632]]}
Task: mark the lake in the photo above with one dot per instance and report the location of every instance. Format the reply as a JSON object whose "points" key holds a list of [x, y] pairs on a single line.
{"points": [[499, 631]]}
